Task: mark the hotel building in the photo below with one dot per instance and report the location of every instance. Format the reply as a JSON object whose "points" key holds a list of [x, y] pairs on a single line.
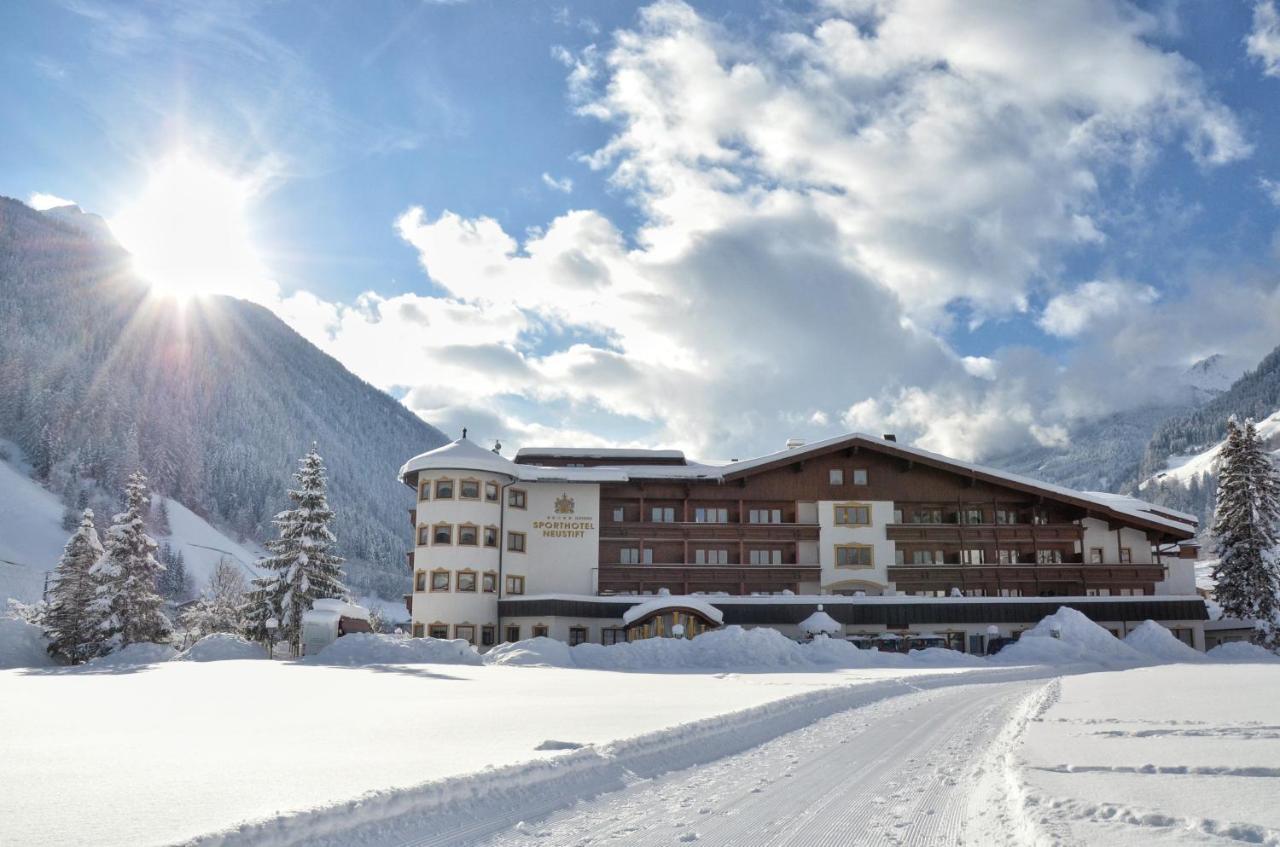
{"points": [[607, 545]]}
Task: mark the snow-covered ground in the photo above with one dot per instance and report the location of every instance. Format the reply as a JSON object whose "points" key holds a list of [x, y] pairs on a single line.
{"points": [[31, 534], [168, 752]]}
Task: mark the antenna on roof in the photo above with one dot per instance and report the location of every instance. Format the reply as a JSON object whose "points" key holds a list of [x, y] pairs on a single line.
{"points": [[464, 432], [497, 446]]}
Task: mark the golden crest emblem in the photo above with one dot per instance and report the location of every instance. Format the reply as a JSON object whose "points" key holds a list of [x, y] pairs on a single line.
{"points": [[564, 505]]}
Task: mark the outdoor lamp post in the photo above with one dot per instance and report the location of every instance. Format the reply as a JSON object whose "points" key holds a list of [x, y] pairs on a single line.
{"points": [[272, 625]]}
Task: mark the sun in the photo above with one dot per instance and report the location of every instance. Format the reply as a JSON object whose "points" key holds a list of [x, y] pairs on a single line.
{"points": [[188, 230]]}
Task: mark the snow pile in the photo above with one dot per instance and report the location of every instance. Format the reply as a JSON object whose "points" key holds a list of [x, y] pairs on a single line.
{"points": [[941, 657], [1080, 640], [367, 648], [221, 647], [1242, 651], [820, 623], [22, 645], [1153, 640], [134, 654], [537, 652]]}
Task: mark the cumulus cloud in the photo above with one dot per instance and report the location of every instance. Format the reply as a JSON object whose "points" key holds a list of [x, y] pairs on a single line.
{"points": [[812, 207], [41, 201], [1068, 315], [1263, 43]]}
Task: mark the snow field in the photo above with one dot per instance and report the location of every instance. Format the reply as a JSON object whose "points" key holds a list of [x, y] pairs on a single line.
{"points": [[22, 645], [177, 750], [1188, 753]]}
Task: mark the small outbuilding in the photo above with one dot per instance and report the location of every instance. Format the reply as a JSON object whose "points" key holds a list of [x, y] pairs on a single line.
{"points": [[820, 623], [667, 616], [328, 620]]}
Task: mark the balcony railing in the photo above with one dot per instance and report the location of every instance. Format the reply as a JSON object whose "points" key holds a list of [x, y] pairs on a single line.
{"points": [[993, 533], [696, 531]]}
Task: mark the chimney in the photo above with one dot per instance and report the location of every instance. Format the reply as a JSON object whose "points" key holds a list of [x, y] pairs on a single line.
{"points": [[889, 436], [793, 443]]}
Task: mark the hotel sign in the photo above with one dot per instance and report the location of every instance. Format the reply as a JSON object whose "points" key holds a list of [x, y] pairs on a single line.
{"points": [[565, 524]]}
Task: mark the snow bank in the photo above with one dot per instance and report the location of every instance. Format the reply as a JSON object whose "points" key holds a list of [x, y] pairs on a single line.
{"points": [[1081, 640], [367, 648], [532, 652], [220, 647], [22, 645], [1241, 651], [134, 654], [1151, 639]]}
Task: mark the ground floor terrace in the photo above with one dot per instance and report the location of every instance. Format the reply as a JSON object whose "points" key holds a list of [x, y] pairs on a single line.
{"points": [[971, 625]]}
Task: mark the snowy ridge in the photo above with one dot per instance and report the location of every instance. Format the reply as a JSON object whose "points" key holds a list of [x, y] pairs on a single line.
{"points": [[1181, 470], [444, 812]]}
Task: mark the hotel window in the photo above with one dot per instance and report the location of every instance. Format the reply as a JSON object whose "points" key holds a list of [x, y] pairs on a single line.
{"points": [[516, 498], [418, 630], [444, 489], [1095, 555], [711, 557], [613, 635], [540, 630], [971, 557], [1039, 517], [859, 476], [1010, 592], [467, 581], [512, 633], [766, 557], [701, 515], [899, 557], [635, 556], [1131, 592], [515, 542], [488, 635], [442, 533], [469, 489], [439, 580], [515, 585], [439, 630], [1126, 556], [424, 489], [663, 514], [1007, 557], [619, 514], [420, 581], [491, 536], [973, 516], [468, 535], [577, 635], [491, 492], [1048, 557], [424, 535], [1097, 592], [1005, 516], [926, 557], [974, 592], [853, 556], [853, 514], [897, 516], [465, 631], [835, 476], [764, 516], [926, 515], [489, 582]]}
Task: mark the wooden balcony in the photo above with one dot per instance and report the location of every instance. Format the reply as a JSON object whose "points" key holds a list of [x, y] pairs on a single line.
{"points": [[1029, 579], [690, 531], [983, 533], [686, 579]]}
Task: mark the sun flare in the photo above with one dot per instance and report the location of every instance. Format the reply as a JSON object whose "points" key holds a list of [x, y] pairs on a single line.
{"points": [[188, 230]]}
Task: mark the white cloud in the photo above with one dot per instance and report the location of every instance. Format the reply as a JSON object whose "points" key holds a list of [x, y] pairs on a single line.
{"points": [[811, 207], [1263, 43], [1271, 188], [1068, 315], [564, 185], [41, 201]]}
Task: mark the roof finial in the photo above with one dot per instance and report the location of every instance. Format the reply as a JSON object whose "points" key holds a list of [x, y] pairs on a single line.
{"points": [[497, 447], [464, 432]]}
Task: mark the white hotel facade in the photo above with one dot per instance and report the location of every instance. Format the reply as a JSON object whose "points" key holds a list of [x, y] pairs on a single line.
{"points": [[889, 541]]}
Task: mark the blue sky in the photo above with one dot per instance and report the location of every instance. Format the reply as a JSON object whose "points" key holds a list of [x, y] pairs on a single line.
{"points": [[712, 225]]}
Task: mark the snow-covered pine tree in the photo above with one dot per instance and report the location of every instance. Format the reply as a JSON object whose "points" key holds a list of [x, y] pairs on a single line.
{"points": [[127, 573], [1245, 526], [71, 622], [160, 517], [304, 567], [220, 606]]}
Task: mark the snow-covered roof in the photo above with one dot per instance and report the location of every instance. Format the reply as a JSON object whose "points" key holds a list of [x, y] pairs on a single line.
{"points": [[329, 611], [672, 601], [461, 455], [598, 453], [820, 622]]}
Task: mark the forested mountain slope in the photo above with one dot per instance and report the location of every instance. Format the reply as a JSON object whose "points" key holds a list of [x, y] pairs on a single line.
{"points": [[215, 399]]}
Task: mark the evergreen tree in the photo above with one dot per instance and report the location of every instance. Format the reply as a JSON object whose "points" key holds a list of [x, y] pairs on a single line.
{"points": [[304, 567], [1245, 526], [160, 517], [219, 608], [70, 621], [127, 575]]}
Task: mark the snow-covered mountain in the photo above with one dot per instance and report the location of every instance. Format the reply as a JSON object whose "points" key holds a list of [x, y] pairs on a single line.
{"points": [[215, 400]]}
